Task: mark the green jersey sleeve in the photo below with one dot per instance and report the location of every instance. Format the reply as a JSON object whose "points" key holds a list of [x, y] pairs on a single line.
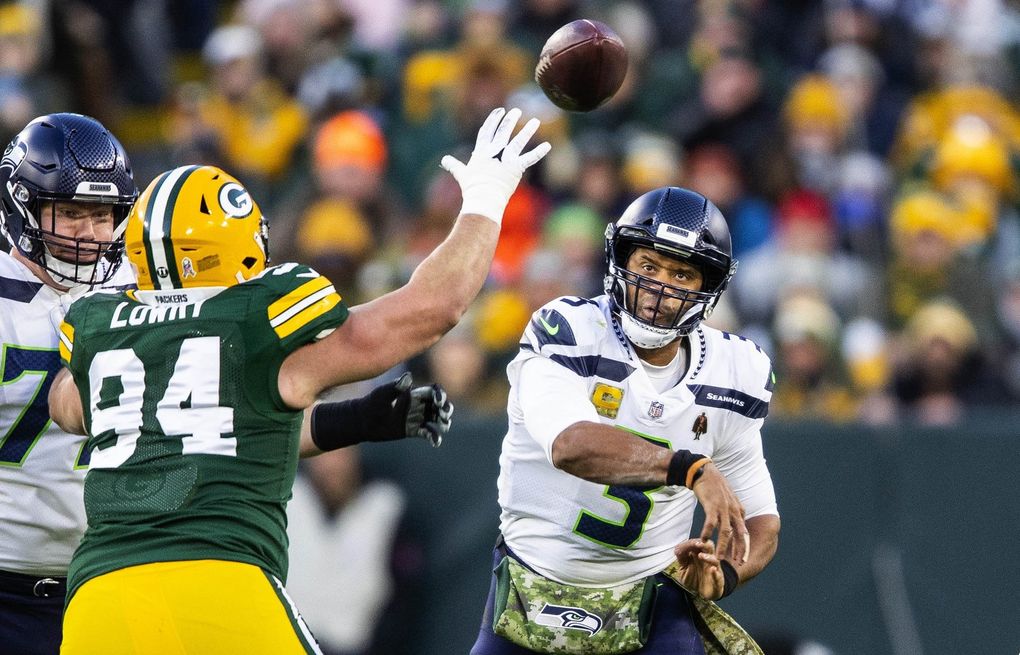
{"points": [[301, 305], [294, 306]]}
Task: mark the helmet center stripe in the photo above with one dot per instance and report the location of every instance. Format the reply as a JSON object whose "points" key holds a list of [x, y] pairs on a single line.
{"points": [[147, 233], [159, 238]]}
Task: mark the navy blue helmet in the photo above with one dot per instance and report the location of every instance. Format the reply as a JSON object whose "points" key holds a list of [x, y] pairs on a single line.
{"points": [[681, 224], [68, 158]]}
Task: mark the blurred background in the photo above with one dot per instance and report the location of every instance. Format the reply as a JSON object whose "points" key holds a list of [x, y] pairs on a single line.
{"points": [[865, 152]]}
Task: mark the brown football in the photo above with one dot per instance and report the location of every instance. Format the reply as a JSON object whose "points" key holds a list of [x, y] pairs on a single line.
{"points": [[582, 65]]}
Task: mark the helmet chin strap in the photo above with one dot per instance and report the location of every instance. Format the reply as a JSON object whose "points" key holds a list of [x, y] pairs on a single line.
{"points": [[646, 336], [64, 272], [650, 337]]}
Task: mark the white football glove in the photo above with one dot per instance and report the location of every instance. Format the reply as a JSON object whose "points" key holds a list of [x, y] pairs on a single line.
{"points": [[488, 180]]}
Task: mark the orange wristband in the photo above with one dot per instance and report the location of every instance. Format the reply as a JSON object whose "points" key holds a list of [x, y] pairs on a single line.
{"points": [[694, 470], [682, 465]]}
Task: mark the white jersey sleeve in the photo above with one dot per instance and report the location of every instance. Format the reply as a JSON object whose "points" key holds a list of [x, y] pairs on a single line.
{"points": [[740, 379], [547, 394]]}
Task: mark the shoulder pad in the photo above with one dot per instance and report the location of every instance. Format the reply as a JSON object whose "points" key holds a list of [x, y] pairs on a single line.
{"points": [[88, 300], [577, 333], [565, 323], [299, 301], [736, 375], [283, 274]]}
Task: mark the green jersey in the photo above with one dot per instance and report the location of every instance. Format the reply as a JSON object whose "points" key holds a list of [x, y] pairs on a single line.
{"points": [[193, 449]]}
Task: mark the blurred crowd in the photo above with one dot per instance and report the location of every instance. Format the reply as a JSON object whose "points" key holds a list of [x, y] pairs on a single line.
{"points": [[865, 152]]}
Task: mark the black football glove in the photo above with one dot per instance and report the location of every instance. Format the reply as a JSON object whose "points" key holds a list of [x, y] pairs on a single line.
{"points": [[425, 410], [389, 412], [403, 412]]}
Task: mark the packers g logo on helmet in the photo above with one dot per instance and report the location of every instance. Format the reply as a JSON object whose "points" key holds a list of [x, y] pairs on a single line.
{"points": [[195, 226], [235, 200]]}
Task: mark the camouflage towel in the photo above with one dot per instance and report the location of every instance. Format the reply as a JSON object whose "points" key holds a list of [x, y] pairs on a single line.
{"points": [[548, 617], [719, 632]]}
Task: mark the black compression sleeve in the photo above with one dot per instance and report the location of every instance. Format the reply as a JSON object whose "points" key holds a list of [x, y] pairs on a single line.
{"points": [[340, 424]]}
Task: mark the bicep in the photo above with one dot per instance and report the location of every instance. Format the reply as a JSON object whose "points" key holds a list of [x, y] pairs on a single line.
{"points": [[375, 337], [65, 404]]}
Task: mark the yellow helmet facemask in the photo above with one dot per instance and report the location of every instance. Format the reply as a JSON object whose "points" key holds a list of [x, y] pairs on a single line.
{"points": [[196, 226]]}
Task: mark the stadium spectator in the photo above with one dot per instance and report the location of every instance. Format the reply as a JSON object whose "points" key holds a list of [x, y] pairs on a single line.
{"points": [[27, 89], [807, 333], [816, 131], [714, 171], [336, 224], [941, 371], [930, 261], [460, 364], [347, 541], [257, 125], [803, 255], [573, 235]]}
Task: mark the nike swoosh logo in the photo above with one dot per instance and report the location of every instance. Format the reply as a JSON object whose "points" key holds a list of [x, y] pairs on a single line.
{"points": [[551, 329]]}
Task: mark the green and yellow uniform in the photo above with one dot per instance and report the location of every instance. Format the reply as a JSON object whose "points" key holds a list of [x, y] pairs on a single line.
{"points": [[193, 450]]}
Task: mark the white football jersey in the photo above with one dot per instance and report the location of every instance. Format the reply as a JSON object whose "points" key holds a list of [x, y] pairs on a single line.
{"points": [[576, 365], [42, 468]]}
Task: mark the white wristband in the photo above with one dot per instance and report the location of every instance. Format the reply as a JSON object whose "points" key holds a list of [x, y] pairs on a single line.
{"points": [[488, 195], [489, 207]]}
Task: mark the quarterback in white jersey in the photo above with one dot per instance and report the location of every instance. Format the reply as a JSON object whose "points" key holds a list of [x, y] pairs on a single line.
{"points": [[574, 366], [65, 189], [625, 412]]}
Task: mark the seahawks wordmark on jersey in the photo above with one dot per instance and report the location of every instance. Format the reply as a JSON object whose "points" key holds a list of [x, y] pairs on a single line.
{"points": [[42, 468], [193, 450], [575, 364]]}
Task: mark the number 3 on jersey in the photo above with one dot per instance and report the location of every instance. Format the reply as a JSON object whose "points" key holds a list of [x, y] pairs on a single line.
{"points": [[639, 505], [189, 407]]}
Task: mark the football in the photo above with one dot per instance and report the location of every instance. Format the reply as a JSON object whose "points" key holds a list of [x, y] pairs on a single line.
{"points": [[581, 65]]}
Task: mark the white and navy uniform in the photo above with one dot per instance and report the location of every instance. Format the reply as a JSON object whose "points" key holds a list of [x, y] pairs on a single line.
{"points": [[42, 468], [576, 365]]}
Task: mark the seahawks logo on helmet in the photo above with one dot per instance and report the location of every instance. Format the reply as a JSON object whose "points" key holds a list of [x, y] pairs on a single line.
{"points": [[235, 200], [15, 153], [572, 618]]}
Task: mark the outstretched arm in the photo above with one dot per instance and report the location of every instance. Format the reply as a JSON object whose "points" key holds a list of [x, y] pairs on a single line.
{"points": [[381, 333]]}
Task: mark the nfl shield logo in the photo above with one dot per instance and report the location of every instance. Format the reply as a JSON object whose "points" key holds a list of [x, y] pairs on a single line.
{"points": [[655, 409]]}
